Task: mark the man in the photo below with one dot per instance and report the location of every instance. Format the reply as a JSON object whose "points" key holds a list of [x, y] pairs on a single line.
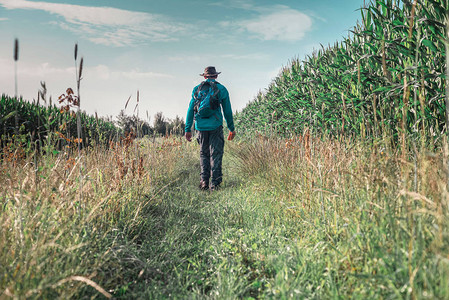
{"points": [[210, 126]]}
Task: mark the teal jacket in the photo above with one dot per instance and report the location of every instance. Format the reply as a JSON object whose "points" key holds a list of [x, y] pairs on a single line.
{"points": [[216, 120]]}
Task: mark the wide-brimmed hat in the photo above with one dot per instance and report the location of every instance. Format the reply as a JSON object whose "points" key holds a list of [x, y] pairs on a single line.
{"points": [[210, 71]]}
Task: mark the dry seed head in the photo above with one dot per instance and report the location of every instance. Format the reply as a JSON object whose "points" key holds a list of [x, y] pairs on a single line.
{"points": [[126, 105], [16, 50], [81, 69], [76, 51]]}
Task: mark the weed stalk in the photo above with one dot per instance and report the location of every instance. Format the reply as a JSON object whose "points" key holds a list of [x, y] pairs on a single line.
{"points": [[78, 117], [16, 58]]}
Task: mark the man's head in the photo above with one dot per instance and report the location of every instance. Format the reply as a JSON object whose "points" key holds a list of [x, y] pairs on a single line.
{"points": [[210, 72]]}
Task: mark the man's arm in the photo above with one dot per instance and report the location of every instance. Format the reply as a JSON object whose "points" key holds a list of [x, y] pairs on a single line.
{"points": [[189, 119], [227, 110], [190, 114]]}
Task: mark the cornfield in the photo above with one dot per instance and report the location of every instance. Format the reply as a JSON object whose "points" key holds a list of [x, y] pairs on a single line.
{"points": [[386, 79], [37, 122]]}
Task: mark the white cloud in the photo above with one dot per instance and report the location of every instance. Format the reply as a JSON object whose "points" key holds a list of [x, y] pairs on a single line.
{"points": [[3, 19], [106, 25], [105, 73], [274, 22], [47, 70], [43, 70], [285, 24]]}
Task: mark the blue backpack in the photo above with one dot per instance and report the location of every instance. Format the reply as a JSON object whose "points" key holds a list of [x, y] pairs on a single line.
{"points": [[207, 99]]}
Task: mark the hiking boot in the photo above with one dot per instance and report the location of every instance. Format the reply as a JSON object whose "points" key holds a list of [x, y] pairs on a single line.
{"points": [[214, 188], [204, 186]]}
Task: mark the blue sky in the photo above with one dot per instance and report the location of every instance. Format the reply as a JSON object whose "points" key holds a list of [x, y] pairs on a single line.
{"points": [[161, 47]]}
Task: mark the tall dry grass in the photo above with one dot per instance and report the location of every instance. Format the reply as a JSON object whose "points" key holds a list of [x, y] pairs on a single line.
{"points": [[383, 219], [55, 244]]}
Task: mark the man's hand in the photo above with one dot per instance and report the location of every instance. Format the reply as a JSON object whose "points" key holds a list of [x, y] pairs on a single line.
{"points": [[189, 136], [231, 135]]}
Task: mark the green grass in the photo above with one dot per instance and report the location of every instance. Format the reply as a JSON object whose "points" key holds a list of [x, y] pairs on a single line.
{"points": [[311, 217], [351, 221]]}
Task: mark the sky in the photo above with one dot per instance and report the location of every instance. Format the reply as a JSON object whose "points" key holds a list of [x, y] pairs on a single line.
{"points": [[159, 47]]}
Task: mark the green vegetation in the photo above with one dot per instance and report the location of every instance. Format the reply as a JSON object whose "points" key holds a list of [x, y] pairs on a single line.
{"points": [[388, 77], [325, 214], [310, 218], [37, 122]]}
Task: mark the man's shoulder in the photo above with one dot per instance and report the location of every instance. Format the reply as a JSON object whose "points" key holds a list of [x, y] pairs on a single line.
{"points": [[218, 84], [195, 88], [222, 87]]}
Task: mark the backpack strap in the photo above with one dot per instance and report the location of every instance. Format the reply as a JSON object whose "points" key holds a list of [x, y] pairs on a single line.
{"points": [[195, 96], [215, 95], [198, 90], [211, 84]]}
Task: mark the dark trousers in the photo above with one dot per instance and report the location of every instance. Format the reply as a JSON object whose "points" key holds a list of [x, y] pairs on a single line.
{"points": [[211, 155]]}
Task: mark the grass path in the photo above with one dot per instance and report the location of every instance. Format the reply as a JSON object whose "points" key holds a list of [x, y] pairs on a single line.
{"points": [[339, 224], [229, 244], [185, 248], [259, 237], [203, 244]]}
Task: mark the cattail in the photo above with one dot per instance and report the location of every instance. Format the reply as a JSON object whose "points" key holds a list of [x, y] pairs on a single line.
{"points": [[81, 68], [76, 51], [16, 50], [80, 72], [137, 105], [16, 58], [126, 105]]}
